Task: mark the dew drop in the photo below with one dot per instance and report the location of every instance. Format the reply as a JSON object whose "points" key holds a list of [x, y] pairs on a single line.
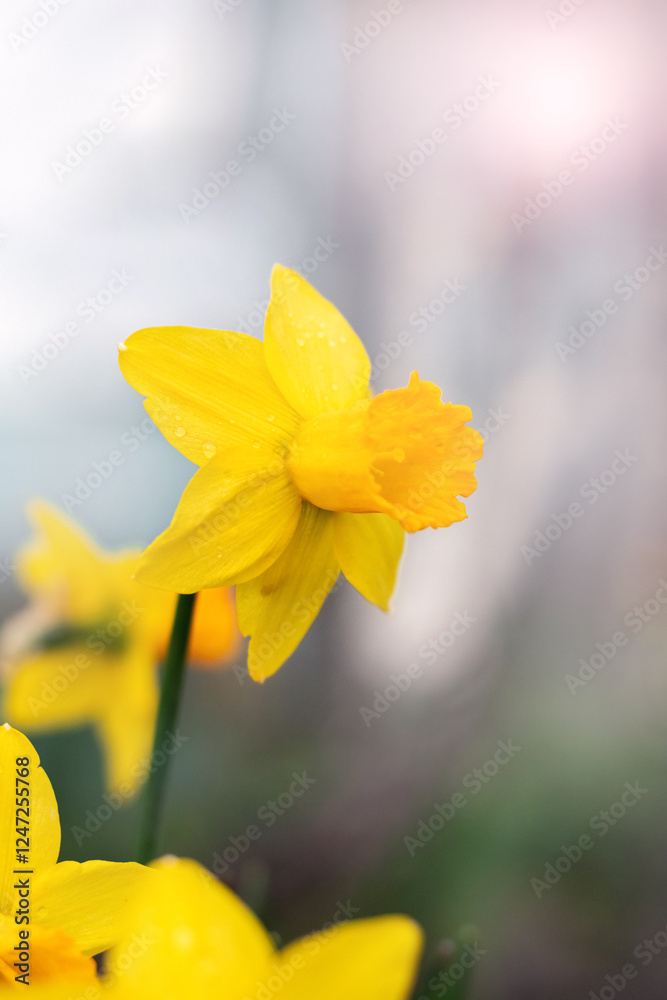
{"points": [[256, 444], [333, 343], [177, 417], [300, 342], [343, 340], [320, 334], [180, 431], [399, 455], [232, 421], [270, 418], [209, 449], [183, 939], [334, 386]]}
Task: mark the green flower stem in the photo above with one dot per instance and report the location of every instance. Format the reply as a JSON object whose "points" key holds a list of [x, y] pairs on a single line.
{"points": [[170, 695]]}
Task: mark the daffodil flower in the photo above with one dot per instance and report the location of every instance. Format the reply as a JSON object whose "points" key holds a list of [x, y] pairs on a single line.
{"points": [[303, 473], [75, 910], [196, 939], [86, 649]]}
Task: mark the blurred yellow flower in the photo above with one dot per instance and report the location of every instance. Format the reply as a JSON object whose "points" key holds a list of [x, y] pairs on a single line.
{"points": [[201, 941], [74, 910], [86, 649], [302, 474]]}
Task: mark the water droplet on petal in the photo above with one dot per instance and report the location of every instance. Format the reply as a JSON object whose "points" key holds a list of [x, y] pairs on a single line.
{"points": [[183, 939], [300, 342], [333, 343], [122, 347], [209, 449], [177, 417], [334, 386], [399, 455], [320, 334], [343, 340], [257, 444], [270, 418], [180, 432]]}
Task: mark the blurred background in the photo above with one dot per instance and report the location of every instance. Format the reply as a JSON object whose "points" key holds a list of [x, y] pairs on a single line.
{"points": [[485, 182]]}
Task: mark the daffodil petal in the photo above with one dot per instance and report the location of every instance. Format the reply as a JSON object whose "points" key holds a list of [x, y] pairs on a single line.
{"points": [[207, 389], [126, 720], [277, 608], [368, 548], [55, 689], [64, 561], [312, 352], [215, 638], [361, 960], [44, 822], [235, 517], [201, 941], [89, 901]]}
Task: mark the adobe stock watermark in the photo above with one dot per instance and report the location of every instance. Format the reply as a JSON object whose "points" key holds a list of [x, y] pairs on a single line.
{"points": [[635, 620], [87, 484], [113, 801], [247, 152], [473, 782], [591, 491], [224, 7], [321, 252], [208, 532], [364, 34], [625, 289], [88, 309], [7, 568], [32, 24], [301, 611], [121, 109], [580, 160], [466, 959], [268, 815], [116, 965], [565, 9], [99, 641], [419, 319], [600, 825], [645, 952], [402, 682], [454, 117], [287, 964]]}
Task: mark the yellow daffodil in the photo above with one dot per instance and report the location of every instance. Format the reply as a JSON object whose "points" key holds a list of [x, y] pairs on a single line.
{"points": [[303, 473], [186, 936], [86, 650], [74, 910]]}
